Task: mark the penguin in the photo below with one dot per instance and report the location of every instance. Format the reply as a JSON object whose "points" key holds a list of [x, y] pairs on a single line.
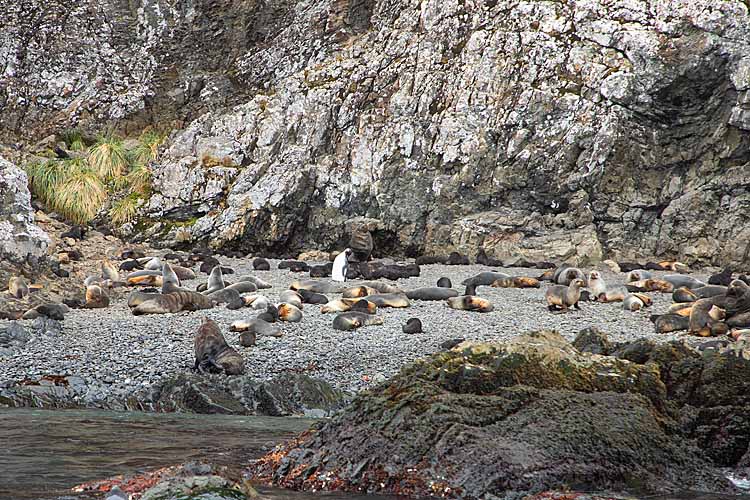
{"points": [[341, 265]]}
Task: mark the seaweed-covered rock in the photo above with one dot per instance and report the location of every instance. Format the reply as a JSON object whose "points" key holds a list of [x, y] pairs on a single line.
{"points": [[526, 416]]}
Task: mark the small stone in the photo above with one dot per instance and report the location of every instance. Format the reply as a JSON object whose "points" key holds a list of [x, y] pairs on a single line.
{"points": [[413, 325]]}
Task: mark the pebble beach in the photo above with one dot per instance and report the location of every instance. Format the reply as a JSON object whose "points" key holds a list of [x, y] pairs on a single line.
{"points": [[120, 353]]}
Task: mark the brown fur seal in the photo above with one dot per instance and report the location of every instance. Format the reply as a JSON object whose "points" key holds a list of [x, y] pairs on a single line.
{"points": [[516, 282], [681, 308], [650, 285], [96, 298], [317, 286], [639, 275], [397, 300], [636, 302], [289, 313], [359, 291], [136, 298], [17, 287], [431, 293], [291, 297], [213, 354], [145, 278], [257, 282], [343, 305], [174, 303], [703, 316], [565, 275], [673, 265], [352, 320], [228, 296], [684, 295], [470, 303], [667, 323], [109, 271], [49, 310], [613, 295], [563, 297], [243, 287]]}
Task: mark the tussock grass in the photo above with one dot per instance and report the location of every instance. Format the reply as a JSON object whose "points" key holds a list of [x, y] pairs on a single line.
{"points": [[78, 188]]}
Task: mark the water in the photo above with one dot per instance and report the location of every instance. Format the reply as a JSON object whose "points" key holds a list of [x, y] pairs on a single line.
{"points": [[45, 453]]}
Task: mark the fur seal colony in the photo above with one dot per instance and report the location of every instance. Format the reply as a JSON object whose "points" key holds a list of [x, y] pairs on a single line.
{"points": [[276, 320]]}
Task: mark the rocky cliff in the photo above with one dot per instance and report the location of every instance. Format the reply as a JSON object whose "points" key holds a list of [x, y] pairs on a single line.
{"points": [[562, 130]]}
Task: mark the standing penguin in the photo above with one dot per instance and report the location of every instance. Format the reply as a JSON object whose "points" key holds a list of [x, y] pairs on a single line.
{"points": [[341, 265]]}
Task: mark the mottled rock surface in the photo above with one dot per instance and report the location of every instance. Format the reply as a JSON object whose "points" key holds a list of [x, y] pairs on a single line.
{"points": [[530, 415], [547, 130]]}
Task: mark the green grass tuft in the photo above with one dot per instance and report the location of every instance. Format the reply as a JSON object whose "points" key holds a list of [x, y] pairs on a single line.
{"points": [[124, 210]]}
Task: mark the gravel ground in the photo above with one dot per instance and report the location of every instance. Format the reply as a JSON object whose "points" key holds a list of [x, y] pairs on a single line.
{"points": [[123, 352]]}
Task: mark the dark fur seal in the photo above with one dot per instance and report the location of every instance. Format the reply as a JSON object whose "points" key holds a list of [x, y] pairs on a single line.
{"points": [[130, 265], [470, 303], [256, 327], [174, 303], [228, 296], [396, 300], [213, 354], [208, 264], [444, 283], [261, 264], [322, 270], [485, 278], [724, 278], [431, 293], [352, 320], [667, 323], [393, 272], [457, 259], [431, 259], [484, 260], [294, 266], [49, 310], [361, 244], [309, 297], [413, 325], [680, 280]]}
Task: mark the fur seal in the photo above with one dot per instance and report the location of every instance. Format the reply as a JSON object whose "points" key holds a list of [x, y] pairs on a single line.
{"points": [[261, 264], [291, 297], [703, 316], [393, 272], [413, 325], [257, 302], [470, 303], [343, 305], [183, 273], [396, 300], [636, 302], [213, 354], [352, 320], [228, 296], [17, 287], [516, 282], [271, 314], [723, 278], [484, 260], [259, 327], [444, 283], [153, 264], [262, 285], [741, 320], [567, 274], [132, 253], [431, 293], [168, 276], [316, 286], [309, 297], [145, 278], [243, 287], [341, 266], [683, 309], [323, 270], [596, 285], [613, 295], [248, 339], [563, 297], [173, 303], [457, 259], [49, 310], [109, 271], [208, 263], [650, 285], [95, 298], [674, 266], [215, 280], [381, 287], [361, 243], [136, 298], [680, 280], [426, 260], [294, 266], [130, 265], [485, 278], [667, 323], [289, 313], [683, 294]]}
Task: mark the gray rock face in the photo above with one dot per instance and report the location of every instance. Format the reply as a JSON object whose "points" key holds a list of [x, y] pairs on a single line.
{"points": [[545, 130], [21, 241]]}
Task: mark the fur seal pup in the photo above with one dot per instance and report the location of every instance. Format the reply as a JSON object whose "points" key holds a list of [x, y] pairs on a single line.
{"points": [[289, 313], [228, 296], [213, 354], [636, 302], [17, 287], [262, 285], [563, 297], [667, 323], [261, 264], [352, 320], [294, 266], [723, 278], [130, 265], [343, 305], [173, 303], [145, 278], [396, 300], [316, 286], [413, 325], [484, 260], [323, 270], [470, 303], [381, 287], [309, 297], [208, 263], [248, 339], [95, 298], [426, 260], [109, 271], [703, 315], [650, 285], [568, 274], [516, 282], [444, 283], [291, 297], [431, 293], [680, 280], [485, 278], [257, 302], [596, 285]]}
